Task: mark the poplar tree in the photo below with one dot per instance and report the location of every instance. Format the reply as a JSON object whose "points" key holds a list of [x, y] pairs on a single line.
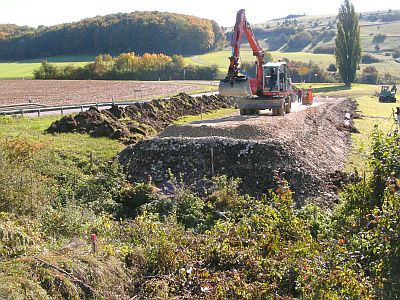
{"points": [[348, 47]]}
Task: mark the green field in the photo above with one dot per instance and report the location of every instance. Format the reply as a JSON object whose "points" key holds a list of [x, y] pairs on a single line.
{"points": [[25, 68], [74, 145], [221, 58], [373, 112]]}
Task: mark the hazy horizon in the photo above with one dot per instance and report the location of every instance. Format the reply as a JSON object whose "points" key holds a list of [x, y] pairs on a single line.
{"points": [[48, 13]]}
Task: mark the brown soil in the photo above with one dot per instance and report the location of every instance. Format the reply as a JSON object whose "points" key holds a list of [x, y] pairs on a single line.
{"points": [[308, 148], [130, 124], [59, 92]]}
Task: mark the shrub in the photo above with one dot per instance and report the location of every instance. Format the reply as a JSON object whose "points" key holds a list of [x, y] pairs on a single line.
{"points": [[379, 38], [369, 59], [23, 189], [332, 68], [189, 209], [369, 75], [133, 197], [324, 50]]}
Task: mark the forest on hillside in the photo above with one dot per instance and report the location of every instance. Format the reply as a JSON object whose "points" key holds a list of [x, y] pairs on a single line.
{"points": [[139, 32]]}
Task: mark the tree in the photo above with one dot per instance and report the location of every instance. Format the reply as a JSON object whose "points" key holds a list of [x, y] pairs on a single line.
{"points": [[348, 47]]}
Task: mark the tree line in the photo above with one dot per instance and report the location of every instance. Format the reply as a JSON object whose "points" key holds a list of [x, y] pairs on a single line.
{"points": [[129, 66], [138, 32]]}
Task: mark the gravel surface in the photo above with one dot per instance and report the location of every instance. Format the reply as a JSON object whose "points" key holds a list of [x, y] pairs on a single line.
{"points": [[51, 92], [308, 148]]}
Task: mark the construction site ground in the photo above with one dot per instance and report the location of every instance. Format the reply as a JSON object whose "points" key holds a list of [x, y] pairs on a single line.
{"points": [[307, 147]]}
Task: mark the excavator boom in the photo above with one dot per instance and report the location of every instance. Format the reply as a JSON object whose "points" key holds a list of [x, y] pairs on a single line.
{"points": [[234, 84]]}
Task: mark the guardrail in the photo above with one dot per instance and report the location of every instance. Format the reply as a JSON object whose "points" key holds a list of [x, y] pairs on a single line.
{"points": [[22, 109], [35, 108]]}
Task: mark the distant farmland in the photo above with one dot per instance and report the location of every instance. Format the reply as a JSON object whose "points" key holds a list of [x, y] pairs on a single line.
{"points": [[25, 68], [71, 92]]}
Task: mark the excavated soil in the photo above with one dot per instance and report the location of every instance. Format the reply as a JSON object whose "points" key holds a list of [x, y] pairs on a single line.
{"points": [[130, 124], [308, 148]]}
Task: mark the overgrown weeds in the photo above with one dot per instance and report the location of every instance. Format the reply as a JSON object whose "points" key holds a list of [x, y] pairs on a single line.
{"points": [[162, 244]]}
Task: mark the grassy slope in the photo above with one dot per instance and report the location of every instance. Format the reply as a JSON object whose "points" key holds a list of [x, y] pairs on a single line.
{"points": [[25, 68], [220, 58], [374, 112], [208, 116], [368, 30]]}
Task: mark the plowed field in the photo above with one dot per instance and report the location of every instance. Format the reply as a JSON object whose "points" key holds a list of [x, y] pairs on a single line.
{"points": [[50, 92]]}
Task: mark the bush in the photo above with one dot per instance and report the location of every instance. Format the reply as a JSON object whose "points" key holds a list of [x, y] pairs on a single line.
{"points": [[189, 209], [23, 189], [369, 75], [133, 197], [324, 50], [369, 59], [379, 38], [332, 68]]}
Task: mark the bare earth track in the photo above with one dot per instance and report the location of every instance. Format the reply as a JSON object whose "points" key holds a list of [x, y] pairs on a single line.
{"points": [[62, 92]]}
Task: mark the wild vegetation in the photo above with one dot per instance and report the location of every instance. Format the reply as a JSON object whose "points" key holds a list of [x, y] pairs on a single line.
{"points": [[220, 245], [140, 32]]}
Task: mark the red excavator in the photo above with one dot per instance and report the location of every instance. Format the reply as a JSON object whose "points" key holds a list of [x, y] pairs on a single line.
{"points": [[272, 85]]}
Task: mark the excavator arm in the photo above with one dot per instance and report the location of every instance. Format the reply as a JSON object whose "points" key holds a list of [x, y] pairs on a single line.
{"points": [[235, 84]]}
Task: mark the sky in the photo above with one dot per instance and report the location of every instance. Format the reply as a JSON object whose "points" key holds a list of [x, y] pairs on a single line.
{"points": [[51, 12]]}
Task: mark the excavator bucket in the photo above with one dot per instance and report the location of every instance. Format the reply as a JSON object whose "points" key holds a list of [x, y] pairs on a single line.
{"points": [[238, 87]]}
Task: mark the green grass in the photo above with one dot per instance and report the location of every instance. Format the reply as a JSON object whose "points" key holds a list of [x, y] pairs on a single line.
{"points": [[221, 58], [374, 112], [25, 68], [219, 113], [70, 144]]}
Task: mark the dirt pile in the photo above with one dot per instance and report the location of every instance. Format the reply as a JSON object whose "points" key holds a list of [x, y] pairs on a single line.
{"points": [[307, 148], [132, 123]]}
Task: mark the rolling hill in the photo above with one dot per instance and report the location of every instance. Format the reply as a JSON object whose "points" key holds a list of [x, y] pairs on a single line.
{"points": [[138, 32]]}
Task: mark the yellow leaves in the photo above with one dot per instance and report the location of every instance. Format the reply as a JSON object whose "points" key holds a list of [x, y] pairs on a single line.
{"points": [[20, 149], [130, 62]]}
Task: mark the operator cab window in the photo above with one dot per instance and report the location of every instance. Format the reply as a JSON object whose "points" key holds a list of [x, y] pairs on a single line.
{"points": [[271, 77]]}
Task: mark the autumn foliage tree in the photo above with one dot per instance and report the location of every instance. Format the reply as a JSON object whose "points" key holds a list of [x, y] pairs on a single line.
{"points": [[128, 66], [139, 32], [348, 47]]}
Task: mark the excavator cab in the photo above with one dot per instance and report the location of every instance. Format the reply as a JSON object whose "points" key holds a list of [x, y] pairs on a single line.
{"points": [[276, 77]]}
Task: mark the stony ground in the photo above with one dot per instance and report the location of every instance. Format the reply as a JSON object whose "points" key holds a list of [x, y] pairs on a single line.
{"points": [[308, 148]]}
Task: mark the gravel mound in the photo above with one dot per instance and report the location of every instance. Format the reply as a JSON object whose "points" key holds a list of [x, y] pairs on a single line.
{"points": [[130, 124], [307, 148]]}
